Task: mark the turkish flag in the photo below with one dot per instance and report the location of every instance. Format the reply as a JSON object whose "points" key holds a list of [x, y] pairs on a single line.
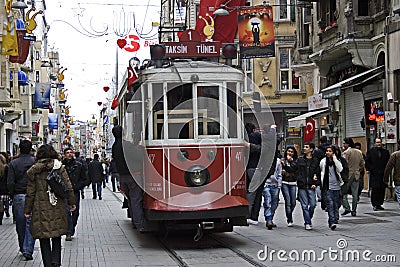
{"points": [[225, 27], [115, 102], [309, 130], [132, 77]]}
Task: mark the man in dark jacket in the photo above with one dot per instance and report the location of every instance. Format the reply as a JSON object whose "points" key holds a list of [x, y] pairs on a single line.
{"points": [[17, 181], [130, 177], [77, 176], [85, 166], [307, 182], [95, 171], [375, 164]]}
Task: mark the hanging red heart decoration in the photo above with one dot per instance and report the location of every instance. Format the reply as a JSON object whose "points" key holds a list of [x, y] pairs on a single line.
{"points": [[99, 103], [106, 88], [121, 43]]}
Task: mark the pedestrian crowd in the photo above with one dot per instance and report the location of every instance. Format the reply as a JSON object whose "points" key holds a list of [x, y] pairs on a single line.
{"points": [[38, 212], [327, 174]]}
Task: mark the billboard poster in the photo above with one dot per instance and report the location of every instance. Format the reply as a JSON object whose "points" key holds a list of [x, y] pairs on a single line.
{"points": [[256, 32], [391, 127], [53, 121], [42, 95]]}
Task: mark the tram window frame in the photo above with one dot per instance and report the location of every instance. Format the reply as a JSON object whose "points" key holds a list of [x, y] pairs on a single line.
{"points": [[232, 109], [204, 110]]}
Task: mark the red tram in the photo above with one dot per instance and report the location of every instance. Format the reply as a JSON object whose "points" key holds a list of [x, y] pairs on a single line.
{"points": [[189, 116]]}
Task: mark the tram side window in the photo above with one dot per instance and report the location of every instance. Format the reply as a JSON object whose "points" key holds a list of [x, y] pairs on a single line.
{"points": [[232, 110], [208, 110], [180, 111], [158, 110]]}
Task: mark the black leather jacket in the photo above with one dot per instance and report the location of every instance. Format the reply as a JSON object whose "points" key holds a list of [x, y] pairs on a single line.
{"points": [[77, 174]]}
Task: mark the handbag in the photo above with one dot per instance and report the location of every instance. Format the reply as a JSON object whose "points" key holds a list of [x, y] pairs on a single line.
{"points": [[56, 184]]}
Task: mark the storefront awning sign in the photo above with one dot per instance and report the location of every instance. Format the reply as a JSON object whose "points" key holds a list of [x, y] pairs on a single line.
{"points": [[359, 79], [301, 120]]}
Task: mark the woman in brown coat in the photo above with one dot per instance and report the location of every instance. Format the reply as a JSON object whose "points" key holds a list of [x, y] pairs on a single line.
{"points": [[49, 219]]}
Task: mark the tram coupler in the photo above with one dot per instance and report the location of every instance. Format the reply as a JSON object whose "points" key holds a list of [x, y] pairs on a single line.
{"points": [[207, 225]]}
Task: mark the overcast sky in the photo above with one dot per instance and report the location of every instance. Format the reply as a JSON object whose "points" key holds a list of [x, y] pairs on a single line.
{"points": [[85, 34]]}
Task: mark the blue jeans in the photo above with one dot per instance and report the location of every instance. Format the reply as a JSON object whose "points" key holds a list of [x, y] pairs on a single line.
{"points": [[96, 187], [271, 201], [332, 204], [25, 240], [72, 217], [289, 195], [397, 190], [308, 204]]}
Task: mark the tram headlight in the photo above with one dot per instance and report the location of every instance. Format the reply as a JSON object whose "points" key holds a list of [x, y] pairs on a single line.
{"points": [[196, 176]]}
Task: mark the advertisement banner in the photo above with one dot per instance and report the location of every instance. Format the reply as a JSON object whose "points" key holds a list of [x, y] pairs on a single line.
{"points": [[256, 32], [53, 121], [391, 127], [42, 95]]}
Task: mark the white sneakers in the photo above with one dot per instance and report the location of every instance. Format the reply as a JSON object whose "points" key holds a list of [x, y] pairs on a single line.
{"points": [[308, 227], [250, 221], [290, 224]]}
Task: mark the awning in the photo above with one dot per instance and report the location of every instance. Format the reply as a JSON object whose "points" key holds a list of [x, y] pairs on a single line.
{"points": [[301, 120], [22, 78], [361, 78]]}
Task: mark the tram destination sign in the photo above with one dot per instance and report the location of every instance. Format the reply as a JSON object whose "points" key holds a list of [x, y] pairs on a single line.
{"points": [[192, 49]]}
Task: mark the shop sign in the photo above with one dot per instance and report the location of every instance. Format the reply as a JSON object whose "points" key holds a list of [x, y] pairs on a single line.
{"points": [[294, 132], [317, 102]]}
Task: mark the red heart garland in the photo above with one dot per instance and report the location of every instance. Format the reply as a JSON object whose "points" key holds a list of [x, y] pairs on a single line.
{"points": [[106, 88], [121, 43], [99, 103]]}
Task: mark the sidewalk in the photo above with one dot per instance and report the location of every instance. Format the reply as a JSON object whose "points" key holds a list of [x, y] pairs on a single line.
{"points": [[105, 237]]}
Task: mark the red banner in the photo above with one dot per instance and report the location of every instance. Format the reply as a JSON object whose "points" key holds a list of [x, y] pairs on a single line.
{"points": [[132, 77], [309, 130], [218, 28]]}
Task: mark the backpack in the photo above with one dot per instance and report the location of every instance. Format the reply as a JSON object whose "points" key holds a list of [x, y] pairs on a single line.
{"points": [[56, 184]]}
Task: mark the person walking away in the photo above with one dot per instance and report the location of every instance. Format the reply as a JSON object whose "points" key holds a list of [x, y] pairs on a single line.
{"points": [[4, 194], [78, 178], [356, 164], [6, 202], [254, 137], [307, 181], [114, 175], [85, 166], [289, 182], [130, 177], [271, 194], [47, 212], [95, 172], [331, 182], [393, 165], [375, 163], [17, 180], [265, 168], [357, 145]]}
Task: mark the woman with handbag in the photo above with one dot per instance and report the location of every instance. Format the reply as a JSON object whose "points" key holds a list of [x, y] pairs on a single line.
{"points": [[47, 211]]}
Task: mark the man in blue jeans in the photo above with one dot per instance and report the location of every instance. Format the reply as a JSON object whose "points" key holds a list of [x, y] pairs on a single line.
{"points": [[16, 182], [307, 181], [271, 195]]}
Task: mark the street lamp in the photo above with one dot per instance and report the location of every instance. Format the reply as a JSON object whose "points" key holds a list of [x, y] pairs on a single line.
{"points": [[20, 4]]}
